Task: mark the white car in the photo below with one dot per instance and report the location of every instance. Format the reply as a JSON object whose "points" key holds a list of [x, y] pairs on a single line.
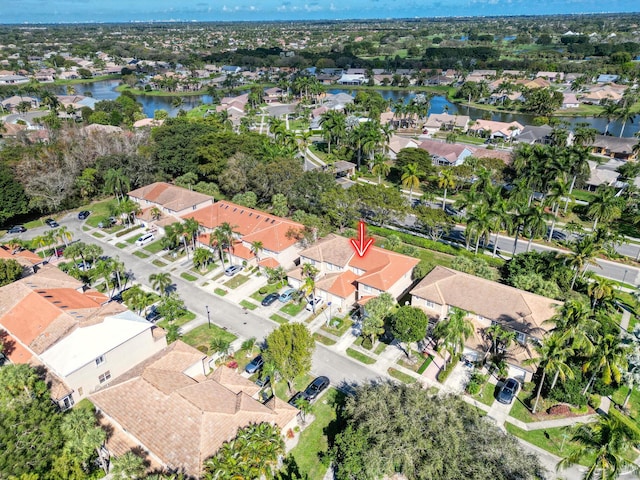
{"points": [[314, 303]]}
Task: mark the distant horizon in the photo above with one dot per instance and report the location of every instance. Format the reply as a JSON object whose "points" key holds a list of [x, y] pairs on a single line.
{"points": [[52, 12]]}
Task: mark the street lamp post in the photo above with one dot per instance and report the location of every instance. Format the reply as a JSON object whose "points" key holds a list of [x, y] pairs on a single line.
{"points": [[624, 277], [208, 315]]}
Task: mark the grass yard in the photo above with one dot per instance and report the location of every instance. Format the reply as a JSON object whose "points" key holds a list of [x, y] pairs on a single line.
{"points": [[278, 318], [323, 340], [100, 211], [486, 395], [236, 281], [634, 402], [292, 308], [298, 384], [220, 291], [121, 245], [248, 304], [267, 289], [201, 336], [311, 452], [132, 240], [519, 411], [403, 377], [337, 326], [558, 441], [98, 235], [380, 348], [159, 263], [361, 357], [154, 247], [188, 277], [186, 318], [140, 254]]}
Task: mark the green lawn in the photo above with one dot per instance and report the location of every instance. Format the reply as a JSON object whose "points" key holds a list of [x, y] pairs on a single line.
{"points": [[634, 402], [201, 336], [267, 289], [140, 254], [220, 291], [310, 453], [186, 318], [121, 245], [293, 308], [379, 348], [519, 411], [486, 395], [159, 263], [188, 277], [236, 281], [278, 318], [132, 240], [100, 211], [154, 247], [98, 235], [299, 383], [324, 340], [338, 326], [361, 357], [403, 377], [248, 304], [558, 441]]}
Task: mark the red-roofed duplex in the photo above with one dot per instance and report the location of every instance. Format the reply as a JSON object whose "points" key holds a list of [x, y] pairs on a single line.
{"points": [[278, 236], [345, 278], [170, 199]]}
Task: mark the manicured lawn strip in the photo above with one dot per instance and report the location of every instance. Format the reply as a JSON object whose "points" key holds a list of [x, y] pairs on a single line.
{"points": [[359, 342], [634, 402], [97, 235], [131, 240], [415, 364], [398, 375], [324, 340], [361, 357], [380, 348], [140, 254], [292, 308], [249, 305], [220, 291], [121, 245], [122, 233], [236, 281], [85, 228], [159, 263], [425, 364], [278, 318], [186, 318], [486, 395], [343, 324], [220, 275], [201, 336], [311, 452], [154, 247], [267, 289], [100, 211], [519, 411], [188, 277]]}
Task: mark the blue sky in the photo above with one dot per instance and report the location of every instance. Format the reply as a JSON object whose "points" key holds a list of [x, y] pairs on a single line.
{"points": [[70, 11]]}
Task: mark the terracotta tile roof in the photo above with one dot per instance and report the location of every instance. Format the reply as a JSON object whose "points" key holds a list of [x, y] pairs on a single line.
{"points": [[520, 310], [340, 284], [170, 196], [183, 426], [331, 249], [383, 268], [269, 262], [24, 257], [252, 225]]}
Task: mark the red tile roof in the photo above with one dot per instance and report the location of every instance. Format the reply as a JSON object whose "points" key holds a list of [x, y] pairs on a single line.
{"points": [[170, 196]]}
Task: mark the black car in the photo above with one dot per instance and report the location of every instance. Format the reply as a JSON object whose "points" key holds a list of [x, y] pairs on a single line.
{"points": [[254, 365], [293, 400], [315, 388], [17, 229], [269, 299], [83, 215], [52, 223], [263, 381], [508, 391], [118, 296], [153, 314]]}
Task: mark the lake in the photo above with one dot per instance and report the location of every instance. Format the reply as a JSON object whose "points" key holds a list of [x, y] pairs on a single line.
{"points": [[106, 90]]}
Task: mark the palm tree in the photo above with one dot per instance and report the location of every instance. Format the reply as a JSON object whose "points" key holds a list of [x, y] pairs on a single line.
{"points": [[256, 248], [116, 182], [479, 222], [249, 344], [453, 331], [585, 251], [535, 223], [604, 442], [446, 180], [411, 178], [63, 233], [609, 359], [191, 228], [552, 359], [610, 111], [160, 282], [380, 167], [227, 234], [127, 467], [334, 127], [221, 239], [624, 115], [601, 290], [202, 257], [222, 346], [606, 206], [155, 213]]}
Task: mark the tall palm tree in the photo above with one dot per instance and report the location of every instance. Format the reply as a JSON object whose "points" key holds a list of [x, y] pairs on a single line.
{"points": [[128, 467], [256, 248], [411, 178], [116, 182], [604, 442], [160, 282], [453, 331], [609, 359], [228, 235], [601, 290], [535, 223], [606, 206], [221, 240], [202, 257], [191, 228], [63, 233], [380, 167], [552, 359], [479, 223], [334, 127], [446, 180], [585, 251], [624, 115], [610, 112]]}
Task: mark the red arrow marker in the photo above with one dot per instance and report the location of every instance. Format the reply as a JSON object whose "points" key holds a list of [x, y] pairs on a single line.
{"points": [[362, 243]]}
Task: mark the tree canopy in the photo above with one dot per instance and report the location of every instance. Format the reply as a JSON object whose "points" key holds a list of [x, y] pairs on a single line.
{"points": [[289, 349]]}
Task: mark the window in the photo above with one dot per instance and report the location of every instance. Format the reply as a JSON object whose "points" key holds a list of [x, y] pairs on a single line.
{"points": [[430, 304], [100, 360], [366, 288], [104, 377], [521, 337], [67, 402]]}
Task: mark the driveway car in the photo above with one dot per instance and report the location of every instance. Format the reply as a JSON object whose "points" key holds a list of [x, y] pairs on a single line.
{"points": [[315, 388], [118, 296], [508, 391], [287, 295], [254, 365], [153, 314], [314, 303], [293, 400], [83, 268], [83, 215], [231, 270], [52, 223], [269, 299], [109, 222], [262, 382], [17, 229]]}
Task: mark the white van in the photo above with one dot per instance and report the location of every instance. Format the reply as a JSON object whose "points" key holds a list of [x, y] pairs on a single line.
{"points": [[146, 238]]}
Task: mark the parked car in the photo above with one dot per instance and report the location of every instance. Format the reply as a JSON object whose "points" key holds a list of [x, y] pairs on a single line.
{"points": [[293, 400], [287, 295], [144, 239], [263, 382], [118, 296], [107, 223], [508, 391], [314, 303], [254, 365], [60, 251], [84, 267], [231, 270], [52, 223], [17, 229], [315, 388], [83, 215], [153, 314], [269, 299]]}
